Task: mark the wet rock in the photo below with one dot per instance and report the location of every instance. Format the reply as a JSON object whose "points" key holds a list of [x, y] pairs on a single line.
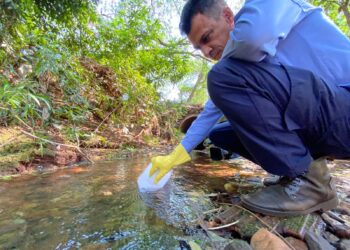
{"points": [[218, 242], [343, 208], [264, 240], [331, 238], [194, 246], [344, 245], [65, 157], [342, 231], [21, 168], [296, 243], [229, 215], [248, 224], [335, 216], [237, 245], [338, 228], [19, 221], [241, 187], [317, 242], [297, 226]]}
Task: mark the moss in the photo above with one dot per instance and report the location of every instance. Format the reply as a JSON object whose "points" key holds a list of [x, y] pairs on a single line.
{"points": [[18, 148], [97, 141], [151, 140]]}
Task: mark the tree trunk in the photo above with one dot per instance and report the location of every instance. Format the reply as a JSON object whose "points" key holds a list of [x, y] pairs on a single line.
{"points": [[345, 8], [195, 87]]}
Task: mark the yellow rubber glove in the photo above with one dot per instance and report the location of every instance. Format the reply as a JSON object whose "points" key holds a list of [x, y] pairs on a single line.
{"points": [[165, 163]]}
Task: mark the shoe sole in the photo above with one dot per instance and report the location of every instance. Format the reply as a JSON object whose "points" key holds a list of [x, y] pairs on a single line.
{"points": [[324, 206]]}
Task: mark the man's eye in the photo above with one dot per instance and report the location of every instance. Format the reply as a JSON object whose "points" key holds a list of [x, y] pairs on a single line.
{"points": [[205, 39]]}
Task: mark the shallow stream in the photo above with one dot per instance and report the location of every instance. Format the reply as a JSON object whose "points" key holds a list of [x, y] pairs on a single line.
{"points": [[99, 207]]}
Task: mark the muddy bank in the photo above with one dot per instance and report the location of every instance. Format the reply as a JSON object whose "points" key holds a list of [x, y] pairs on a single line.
{"points": [[20, 152]]}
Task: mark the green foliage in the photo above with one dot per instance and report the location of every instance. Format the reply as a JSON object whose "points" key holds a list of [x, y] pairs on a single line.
{"points": [[21, 102], [87, 67], [338, 11]]}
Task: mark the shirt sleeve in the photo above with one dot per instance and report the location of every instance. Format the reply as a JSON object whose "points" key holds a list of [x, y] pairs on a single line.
{"points": [[201, 127], [261, 24]]}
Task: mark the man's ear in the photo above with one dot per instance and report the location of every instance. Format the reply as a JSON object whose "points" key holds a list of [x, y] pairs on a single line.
{"points": [[228, 15]]}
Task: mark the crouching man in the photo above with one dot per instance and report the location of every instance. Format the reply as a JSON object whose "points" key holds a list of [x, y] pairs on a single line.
{"points": [[282, 80]]}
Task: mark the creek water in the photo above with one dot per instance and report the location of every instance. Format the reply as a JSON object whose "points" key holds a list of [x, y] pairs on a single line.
{"points": [[99, 207]]}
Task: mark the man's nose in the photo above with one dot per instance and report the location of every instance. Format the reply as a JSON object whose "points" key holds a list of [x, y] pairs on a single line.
{"points": [[206, 51]]}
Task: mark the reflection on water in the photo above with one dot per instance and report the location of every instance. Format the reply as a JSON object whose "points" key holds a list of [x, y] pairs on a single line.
{"points": [[99, 207]]}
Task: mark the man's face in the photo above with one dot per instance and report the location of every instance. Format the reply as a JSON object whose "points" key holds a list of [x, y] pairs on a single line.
{"points": [[210, 35]]}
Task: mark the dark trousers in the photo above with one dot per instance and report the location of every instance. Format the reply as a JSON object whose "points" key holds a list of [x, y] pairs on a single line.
{"points": [[279, 117]]}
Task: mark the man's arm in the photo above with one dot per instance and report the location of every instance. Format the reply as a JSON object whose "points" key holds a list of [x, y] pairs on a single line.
{"points": [[261, 24], [201, 127], [198, 131]]}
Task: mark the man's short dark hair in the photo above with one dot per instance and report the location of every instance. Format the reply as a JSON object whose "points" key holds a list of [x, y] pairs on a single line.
{"points": [[210, 8]]}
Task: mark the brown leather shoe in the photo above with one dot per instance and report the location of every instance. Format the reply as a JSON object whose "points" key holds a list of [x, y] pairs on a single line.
{"points": [[304, 194]]}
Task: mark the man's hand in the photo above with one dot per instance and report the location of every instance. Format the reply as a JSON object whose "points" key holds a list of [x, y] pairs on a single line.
{"points": [[165, 163]]}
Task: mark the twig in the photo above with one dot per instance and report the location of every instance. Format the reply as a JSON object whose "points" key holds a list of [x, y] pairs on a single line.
{"points": [[48, 141], [223, 226], [215, 195], [98, 127], [8, 142], [25, 124], [78, 141], [80, 150], [213, 210], [268, 226]]}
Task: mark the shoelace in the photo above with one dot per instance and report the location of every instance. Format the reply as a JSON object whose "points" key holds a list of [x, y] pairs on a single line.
{"points": [[293, 187]]}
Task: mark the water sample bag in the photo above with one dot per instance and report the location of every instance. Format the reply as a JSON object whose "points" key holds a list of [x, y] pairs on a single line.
{"points": [[146, 183]]}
